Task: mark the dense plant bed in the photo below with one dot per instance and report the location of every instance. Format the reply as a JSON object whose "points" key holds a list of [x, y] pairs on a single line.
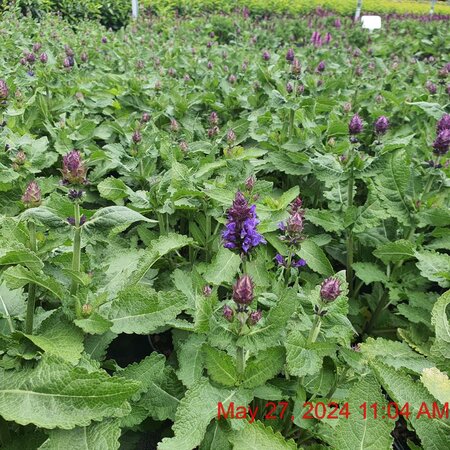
{"points": [[224, 216]]}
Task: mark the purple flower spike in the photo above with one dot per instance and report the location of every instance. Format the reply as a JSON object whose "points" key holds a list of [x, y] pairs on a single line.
{"points": [[43, 58], [298, 263], [296, 67], [255, 317], [289, 87], [228, 313], [266, 56], [290, 55], [71, 220], [442, 143], [75, 194], [136, 137], [32, 195], [74, 170], [213, 118], [320, 67], [240, 231], [356, 125], [145, 117], [280, 260], [443, 124], [231, 136], [381, 125], [330, 289], [243, 290], [207, 290], [3, 90]]}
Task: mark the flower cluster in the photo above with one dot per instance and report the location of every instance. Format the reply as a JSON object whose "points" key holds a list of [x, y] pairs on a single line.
{"points": [[74, 170], [330, 290], [243, 297], [292, 230], [240, 231], [381, 125], [442, 142], [3, 90]]}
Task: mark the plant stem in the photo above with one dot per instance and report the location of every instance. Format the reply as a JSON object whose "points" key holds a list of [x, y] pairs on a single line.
{"points": [[31, 303], [207, 233], [76, 258], [314, 332], [162, 226], [291, 123], [240, 360], [351, 182]]}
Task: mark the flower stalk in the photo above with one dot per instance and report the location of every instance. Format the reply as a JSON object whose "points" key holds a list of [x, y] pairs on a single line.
{"points": [[31, 287], [76, 257]]}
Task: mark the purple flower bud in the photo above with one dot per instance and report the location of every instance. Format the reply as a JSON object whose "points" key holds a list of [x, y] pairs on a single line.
{"points": [[381, 125], [171, 72], [347, 107], [296, 67], [209, 44], [23, 61], [174, 125], [300, 89], [67, 63], [266, 55], [294, 224], [442, 142], [358, 71], [320, 67], [184, 146], [243, 290], [20, 158], [298, 263], [379, 98], [356, 125], [328, 38], [232, 79], [84, 57], [136, 137], [213, 118], [231, 136], [431, 87], [228, 313], [289, 87], [337, 23], [290, 55], [255, 317], [3, 90], [356, 53], [74, 170], [71, 220], [443, 124], [30, 57], [104, 40], [207, 290], [32, 195], [75, 194], [250, 183], [296, 205], [213, 131], [145, 117], [212, 34], [68, 50], [186, 78], [330, 289], [36, 47], [43, 58]]}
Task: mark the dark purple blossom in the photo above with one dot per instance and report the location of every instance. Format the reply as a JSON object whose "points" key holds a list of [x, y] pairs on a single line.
{"points": [[330, 289], [207, 290], [266, 55], [381, 125], [442, 142], [431, 87], [30, 57], [145, 117], [243, 290], [250, 183], [320, 67], [290, 55], [296, 67], [136, 137], [337, 23], [289, 87], [43, 58], [75, 194], [356, 125], [443, 123], [36, 47], [73, 171], [3, 90], [104, 40], [71, 220], [213, 118], [240, 231], [231, 136]]}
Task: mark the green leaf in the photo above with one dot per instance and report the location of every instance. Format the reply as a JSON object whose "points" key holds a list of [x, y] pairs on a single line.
{"points": [[433, 433], [113, 189], [439, 320], [224, 267], [12, 302], [45, 215], [392, 184], [190, 358], [114, 218], [98, 436], [221, 366], [315, 258], [395, 354], [264, 366], [256, 436], [196, 409], [328, 220], [19, 276], [59, 337], [437, 384], [303, 358], [58, 395], [272, 329], [141, 310], [360, 433], [369, 272], [22, 256], [397, 251], [434, 266], [158, 248], [94, 324], [433, 110]]}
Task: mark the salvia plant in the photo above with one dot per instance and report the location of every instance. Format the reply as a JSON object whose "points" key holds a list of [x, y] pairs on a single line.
{"points": [[224, 231]]}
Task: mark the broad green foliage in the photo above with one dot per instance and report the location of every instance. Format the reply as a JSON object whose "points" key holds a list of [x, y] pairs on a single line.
{"points": [[200, 240]]}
